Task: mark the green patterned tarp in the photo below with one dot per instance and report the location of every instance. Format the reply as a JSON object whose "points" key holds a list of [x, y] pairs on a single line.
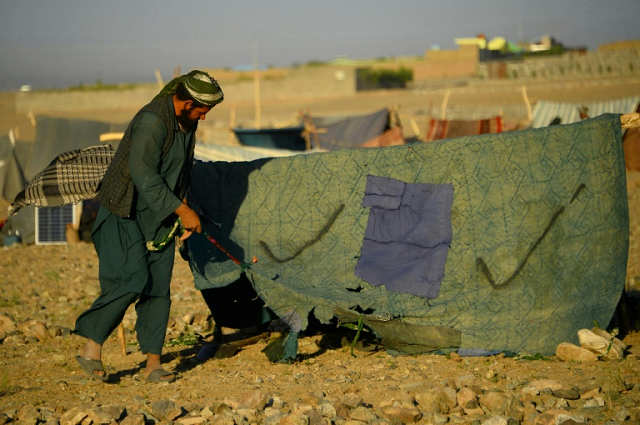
{"points": [[540, 232]]}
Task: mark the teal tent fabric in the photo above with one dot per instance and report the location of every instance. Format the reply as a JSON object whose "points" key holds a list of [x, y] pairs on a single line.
{"points": [[540, 232]]}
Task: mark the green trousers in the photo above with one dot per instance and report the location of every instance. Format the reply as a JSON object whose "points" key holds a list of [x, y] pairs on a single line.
{"points": [[128, 274]]}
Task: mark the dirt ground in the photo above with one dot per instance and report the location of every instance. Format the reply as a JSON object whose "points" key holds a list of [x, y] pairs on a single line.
{"points": [[44, 288]]}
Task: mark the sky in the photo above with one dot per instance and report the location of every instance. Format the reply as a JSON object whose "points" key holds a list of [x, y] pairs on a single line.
{"points": [[61, 43]]}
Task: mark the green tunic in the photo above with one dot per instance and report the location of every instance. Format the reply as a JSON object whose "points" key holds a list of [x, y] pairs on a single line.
{"points": [[128, 271]]}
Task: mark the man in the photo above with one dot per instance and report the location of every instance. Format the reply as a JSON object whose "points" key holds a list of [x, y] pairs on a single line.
{"points": [[141, 196]]}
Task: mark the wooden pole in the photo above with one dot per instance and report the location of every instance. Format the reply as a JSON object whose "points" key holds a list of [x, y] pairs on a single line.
{"points": [[159, 79], [121, 341], [416, 130], [443, 107], [527, 103]]}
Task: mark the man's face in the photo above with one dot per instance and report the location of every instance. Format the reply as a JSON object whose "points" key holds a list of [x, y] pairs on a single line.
{"points": [[190, 115]]}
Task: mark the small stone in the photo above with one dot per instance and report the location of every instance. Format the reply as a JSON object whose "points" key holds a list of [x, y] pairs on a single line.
{"points": [[544, 384], [34, 329], [557, 417], [592, 342], [110, 413], [165, 410], [494, 403], [589, 392], [621, 414], [73, 416], [29, 415], [327, 410], [606, 335], [468, 400], [73, 295], [7, 325], [568, 352], [401, 414], [253, 400], [192, 420], [496, 420], [567, 394], [352, 400], [133, 419], [298, 418], [614, 353], [434, 401], [594, 402]]}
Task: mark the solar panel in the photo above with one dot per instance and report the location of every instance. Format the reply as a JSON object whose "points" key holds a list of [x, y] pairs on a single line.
{"points": [[51, 224]]}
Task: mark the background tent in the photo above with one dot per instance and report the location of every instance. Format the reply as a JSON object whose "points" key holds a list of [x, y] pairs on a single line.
{"points": [[57, 135], [13, 156], [540, 234], [450, 129], [209, 152], [545, 112], [354, 131], [53, 136]]}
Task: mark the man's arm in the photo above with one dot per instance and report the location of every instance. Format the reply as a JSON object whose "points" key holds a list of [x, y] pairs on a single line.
{"points": [[148, 137]]}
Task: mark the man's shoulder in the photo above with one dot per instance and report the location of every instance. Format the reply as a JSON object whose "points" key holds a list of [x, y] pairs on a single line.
{"points": [[154, 113], [160, 106], [148, 118]]}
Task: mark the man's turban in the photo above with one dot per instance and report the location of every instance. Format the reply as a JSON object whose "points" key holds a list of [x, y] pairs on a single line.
{"points": [[199, 84]]}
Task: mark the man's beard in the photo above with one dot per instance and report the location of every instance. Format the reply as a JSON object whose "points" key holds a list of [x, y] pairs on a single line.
{"points": [[185, 121]]}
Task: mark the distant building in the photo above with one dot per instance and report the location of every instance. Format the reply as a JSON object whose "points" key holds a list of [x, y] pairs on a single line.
{"points": [[498, 48], [543, 44]]}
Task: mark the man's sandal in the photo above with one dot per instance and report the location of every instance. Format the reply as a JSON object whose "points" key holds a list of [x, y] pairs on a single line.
{"points": [[91, 366], [160, 375]]}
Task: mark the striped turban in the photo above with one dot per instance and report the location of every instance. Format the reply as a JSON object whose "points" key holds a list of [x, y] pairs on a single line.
{"points": [[199, 84]]}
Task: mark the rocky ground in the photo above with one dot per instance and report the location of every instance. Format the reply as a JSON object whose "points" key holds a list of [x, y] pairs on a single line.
{"points": [[43, 289]]}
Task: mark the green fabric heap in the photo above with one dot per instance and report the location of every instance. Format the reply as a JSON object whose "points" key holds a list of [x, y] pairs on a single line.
{"points": [[540, 235]]}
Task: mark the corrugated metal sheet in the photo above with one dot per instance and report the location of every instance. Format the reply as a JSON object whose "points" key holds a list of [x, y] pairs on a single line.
{"points": [[544, 112]]}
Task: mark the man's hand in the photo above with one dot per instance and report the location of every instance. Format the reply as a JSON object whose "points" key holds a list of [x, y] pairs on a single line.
{"points": [[190, 221]]}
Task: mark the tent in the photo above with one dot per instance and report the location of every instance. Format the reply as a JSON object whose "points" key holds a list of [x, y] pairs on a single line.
{"points": [[380, 128], [534, 226], [545, 112], [210, 152], [450, 129], [13, 156], [53, 137]]}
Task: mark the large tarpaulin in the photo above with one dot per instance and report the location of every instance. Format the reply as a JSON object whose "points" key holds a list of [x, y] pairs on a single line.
{"points": [[539, 217]]}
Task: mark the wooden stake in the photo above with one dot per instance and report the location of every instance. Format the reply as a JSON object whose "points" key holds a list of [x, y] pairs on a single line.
{"points": [[443, 107], [416, 130], [527, 103], [159, 79], [121, 341]]}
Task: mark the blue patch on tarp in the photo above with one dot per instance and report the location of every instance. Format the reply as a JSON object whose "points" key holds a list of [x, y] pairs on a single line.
{"points": [[407, 237]]}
